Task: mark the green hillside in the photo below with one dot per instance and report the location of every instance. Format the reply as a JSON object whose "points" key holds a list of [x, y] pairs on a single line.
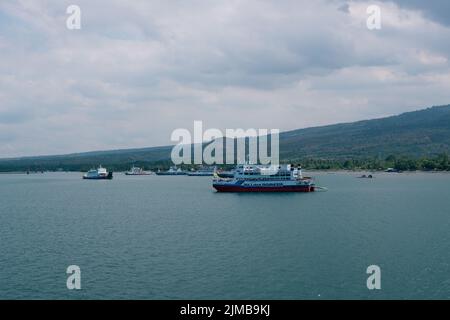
{"points": [[409, 140], [423, 133]]}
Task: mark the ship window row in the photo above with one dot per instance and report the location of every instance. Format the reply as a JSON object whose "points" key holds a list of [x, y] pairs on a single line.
{"points": [[279, 174], [270, 178]]}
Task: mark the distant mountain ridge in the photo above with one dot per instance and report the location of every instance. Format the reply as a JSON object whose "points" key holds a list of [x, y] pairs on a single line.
{"points": [[423, 133], [415, 134]]}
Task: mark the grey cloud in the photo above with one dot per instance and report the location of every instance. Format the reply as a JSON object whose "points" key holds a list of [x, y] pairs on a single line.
{"points": [[11, 117], [438, 10], [147, 67]]}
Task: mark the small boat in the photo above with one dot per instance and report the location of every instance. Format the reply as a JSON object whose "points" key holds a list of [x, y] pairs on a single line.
{"points": [[225, 174], [202, 172], [98, 174], [366, 176], [173, 171], [135, 171]]}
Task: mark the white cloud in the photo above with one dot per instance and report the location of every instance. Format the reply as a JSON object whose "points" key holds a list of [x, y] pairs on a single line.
{"points": [[137, 70]]}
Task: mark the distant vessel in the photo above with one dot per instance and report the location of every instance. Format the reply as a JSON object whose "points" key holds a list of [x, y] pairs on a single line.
{"points": [[135, 171], [173, 171], [226, 174], [202, 172], [254, 178], [98, 174]]}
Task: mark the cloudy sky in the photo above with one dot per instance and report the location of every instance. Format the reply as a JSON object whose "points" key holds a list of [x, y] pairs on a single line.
{"points": [[138, 69]]}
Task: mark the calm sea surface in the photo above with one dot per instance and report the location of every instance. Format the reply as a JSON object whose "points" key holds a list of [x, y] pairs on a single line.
{"points": [[175, 238]]}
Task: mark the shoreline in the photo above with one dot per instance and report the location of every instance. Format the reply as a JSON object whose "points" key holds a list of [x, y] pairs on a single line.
{"points": [[330, 171]]}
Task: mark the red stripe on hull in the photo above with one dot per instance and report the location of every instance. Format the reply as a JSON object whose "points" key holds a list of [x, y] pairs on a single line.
{"points": [[222, 188]]}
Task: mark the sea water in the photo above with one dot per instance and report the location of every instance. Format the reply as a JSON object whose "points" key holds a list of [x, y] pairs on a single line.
{"points": [[174, 237]]}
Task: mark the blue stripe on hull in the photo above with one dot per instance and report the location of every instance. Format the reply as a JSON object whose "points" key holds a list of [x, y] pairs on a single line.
{"points": [[237, 188]]}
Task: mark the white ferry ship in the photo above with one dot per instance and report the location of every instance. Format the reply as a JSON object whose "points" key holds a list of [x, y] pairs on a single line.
{"points": [[256, 178], [98, 174]]}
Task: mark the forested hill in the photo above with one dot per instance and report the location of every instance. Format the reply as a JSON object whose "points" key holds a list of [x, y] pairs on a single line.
{"points": [[423, 133], [413, 135]]}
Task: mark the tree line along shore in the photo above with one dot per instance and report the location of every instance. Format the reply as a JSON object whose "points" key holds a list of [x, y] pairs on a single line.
{"points": [[399, 163]]}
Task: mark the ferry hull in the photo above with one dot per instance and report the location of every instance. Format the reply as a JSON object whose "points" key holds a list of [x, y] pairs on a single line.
{"points": [[234, 188]]}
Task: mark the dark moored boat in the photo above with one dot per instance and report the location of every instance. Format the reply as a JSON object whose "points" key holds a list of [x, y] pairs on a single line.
{"points": [[173, 171]]}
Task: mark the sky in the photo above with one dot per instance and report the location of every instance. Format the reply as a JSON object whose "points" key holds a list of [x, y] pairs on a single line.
{"points": [[137, 70]]}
